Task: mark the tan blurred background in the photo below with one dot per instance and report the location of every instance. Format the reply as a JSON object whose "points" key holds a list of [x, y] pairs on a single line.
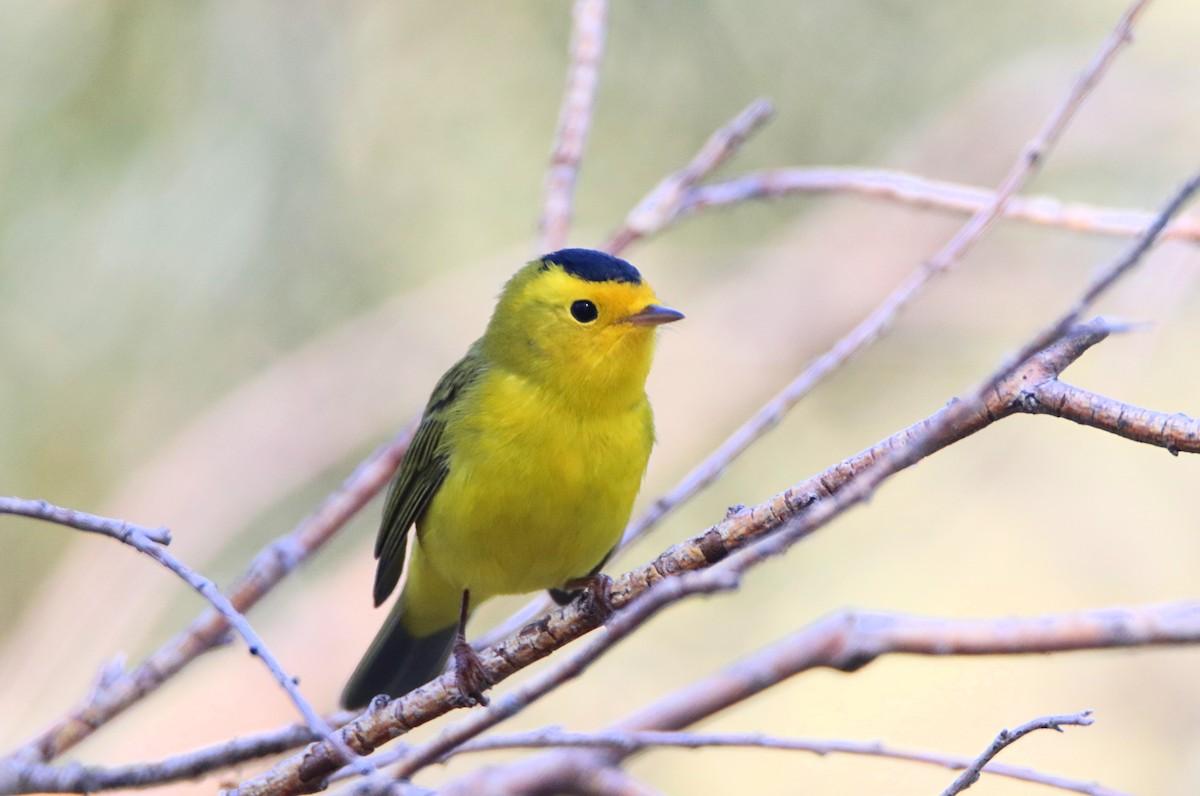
{"points": [[239, 242]]}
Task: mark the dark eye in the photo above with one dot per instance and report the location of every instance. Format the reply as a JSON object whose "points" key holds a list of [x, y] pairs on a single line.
{"points": [[584, 311]]}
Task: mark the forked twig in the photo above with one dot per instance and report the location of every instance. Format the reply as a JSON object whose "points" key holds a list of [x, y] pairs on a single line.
{"points": [[120, 530], [1008, 737]]}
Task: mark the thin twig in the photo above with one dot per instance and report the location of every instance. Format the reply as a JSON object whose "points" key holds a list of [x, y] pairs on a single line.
{"points": [[81, 520], [668, 202], [665, 202], [275, 562], [574, 123], [258, 648], [631, 742], [1007, 737]]}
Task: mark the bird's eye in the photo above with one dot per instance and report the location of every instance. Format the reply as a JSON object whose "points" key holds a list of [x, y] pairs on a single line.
{"points": [[584, 311]]}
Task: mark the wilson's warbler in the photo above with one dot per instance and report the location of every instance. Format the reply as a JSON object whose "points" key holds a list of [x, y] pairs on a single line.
{"points": [[524, 468]]}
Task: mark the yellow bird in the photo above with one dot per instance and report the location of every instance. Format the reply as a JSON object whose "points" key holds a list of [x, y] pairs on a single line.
{"points": [[523, 471]]}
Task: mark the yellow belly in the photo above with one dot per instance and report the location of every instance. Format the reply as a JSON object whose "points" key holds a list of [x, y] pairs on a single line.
{"points": [[537, 494]]}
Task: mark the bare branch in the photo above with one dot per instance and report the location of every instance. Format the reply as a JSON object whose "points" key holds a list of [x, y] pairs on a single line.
{"points": [[574, 123], [620, 626], [120, 530], [269, 567], [1006, 737], [41, 778], [925, 192], [1176, 433], [848, 640]]}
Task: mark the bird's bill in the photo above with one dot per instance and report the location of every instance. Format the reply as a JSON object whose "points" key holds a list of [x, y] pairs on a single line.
{"points": [[653, 315]]}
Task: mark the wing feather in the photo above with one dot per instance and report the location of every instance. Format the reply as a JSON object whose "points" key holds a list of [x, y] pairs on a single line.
{"points": [[421, 474]]}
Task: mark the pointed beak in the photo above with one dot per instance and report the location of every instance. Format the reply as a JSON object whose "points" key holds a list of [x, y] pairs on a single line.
{"points": [[653, 315]]}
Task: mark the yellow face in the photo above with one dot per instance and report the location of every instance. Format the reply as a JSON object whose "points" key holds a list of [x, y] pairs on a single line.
{"points": [[592, 338]]}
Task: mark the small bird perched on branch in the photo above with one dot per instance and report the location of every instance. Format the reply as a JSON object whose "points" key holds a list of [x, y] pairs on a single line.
{"points": [[523, 471]]}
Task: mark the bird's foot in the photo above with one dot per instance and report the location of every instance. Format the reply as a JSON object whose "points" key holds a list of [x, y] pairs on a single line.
{"points": [[471, 677], [594, 596]]}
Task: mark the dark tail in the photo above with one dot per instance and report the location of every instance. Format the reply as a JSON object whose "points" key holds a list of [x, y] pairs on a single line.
{"points": [[397, 661]]}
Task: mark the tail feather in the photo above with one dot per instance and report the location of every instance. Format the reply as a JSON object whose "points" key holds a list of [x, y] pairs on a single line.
{"points": [[397, 661]]}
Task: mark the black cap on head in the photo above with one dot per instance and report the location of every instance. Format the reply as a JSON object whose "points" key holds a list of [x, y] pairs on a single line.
{"points": [[592, 266]]}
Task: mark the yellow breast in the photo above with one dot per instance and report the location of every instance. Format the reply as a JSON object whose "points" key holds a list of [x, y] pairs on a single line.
{"points": [[538, 492]]}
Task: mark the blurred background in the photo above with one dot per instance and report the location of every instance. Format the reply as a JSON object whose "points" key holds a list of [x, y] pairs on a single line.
{"points": [[240, 242]]}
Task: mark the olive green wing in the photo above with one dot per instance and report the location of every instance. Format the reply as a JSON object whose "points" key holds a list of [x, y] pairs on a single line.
{"points": [[421, 473]]}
